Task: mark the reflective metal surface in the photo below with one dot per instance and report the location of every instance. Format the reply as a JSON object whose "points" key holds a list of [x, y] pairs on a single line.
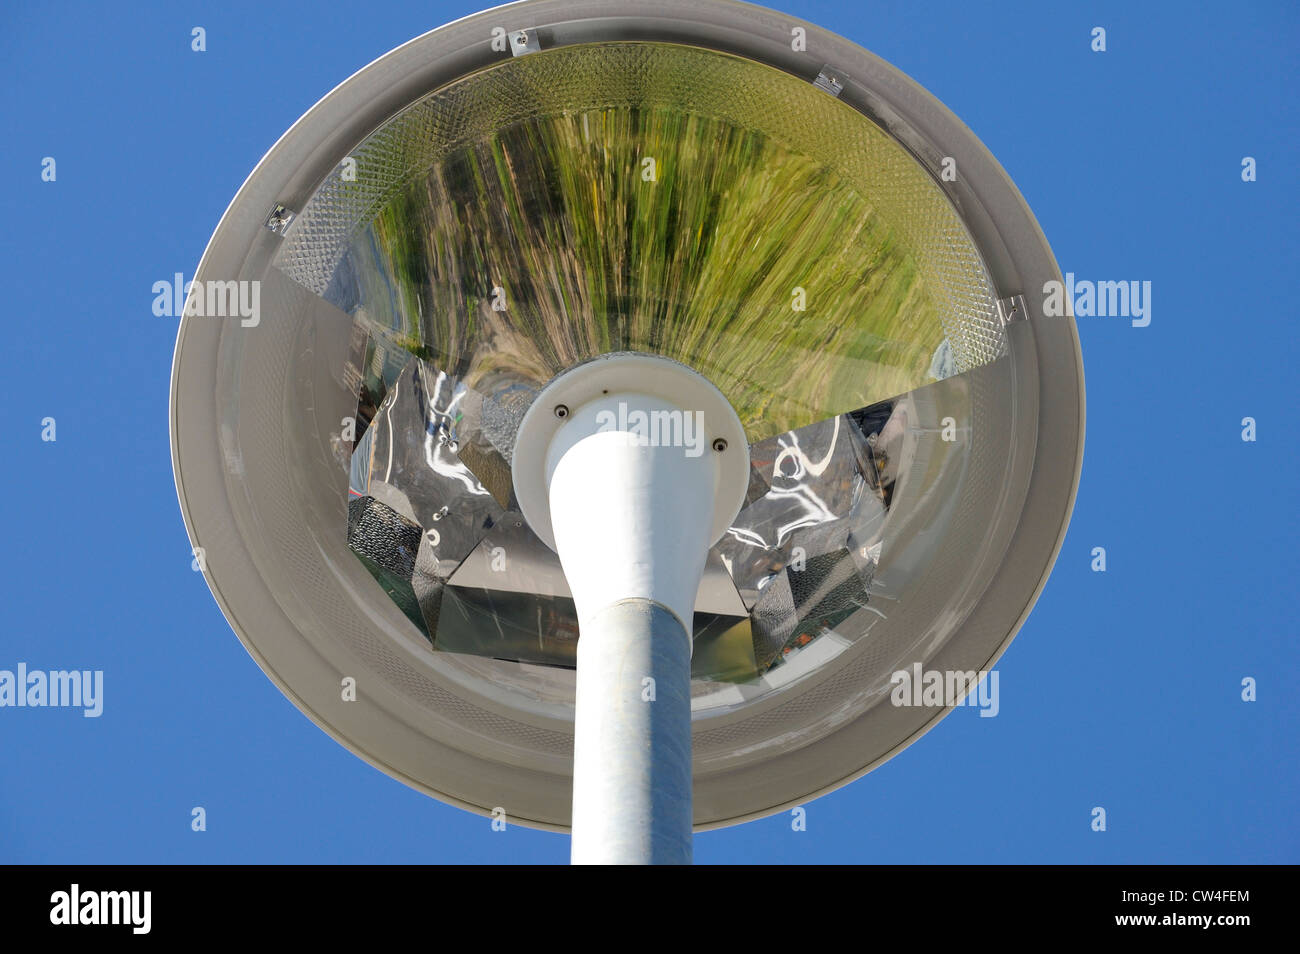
{"points": [[799, 562], [610, 198]]}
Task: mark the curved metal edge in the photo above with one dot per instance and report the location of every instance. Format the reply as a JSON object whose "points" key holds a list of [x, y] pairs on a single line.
{"points": [[926, 114]]}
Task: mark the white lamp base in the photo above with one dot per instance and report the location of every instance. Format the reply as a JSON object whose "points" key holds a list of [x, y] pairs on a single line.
{"points": [[636, 486]]}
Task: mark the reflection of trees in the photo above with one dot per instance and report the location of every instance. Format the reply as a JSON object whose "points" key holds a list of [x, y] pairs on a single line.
{"points": [[699, 265]]}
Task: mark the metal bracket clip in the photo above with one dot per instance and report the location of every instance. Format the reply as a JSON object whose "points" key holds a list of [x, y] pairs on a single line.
{"points": [[1012, 309], [280, 219], [523, 42], [831, 80]]}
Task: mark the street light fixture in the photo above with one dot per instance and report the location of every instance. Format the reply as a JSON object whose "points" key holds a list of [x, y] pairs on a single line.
{"points": [[685, 325]]}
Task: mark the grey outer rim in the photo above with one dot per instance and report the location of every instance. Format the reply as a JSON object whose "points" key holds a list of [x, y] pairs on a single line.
{"points": [[1015, 250]]}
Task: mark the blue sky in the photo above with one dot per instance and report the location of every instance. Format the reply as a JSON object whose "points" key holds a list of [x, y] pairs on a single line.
{"points": [[1122, 690]]}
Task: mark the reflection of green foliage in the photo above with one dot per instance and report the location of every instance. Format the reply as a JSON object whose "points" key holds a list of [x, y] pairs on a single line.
{"points": [[699, 265]]}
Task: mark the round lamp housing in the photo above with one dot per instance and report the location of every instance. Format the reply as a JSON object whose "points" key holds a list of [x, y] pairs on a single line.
{"points": [[443, 243]]}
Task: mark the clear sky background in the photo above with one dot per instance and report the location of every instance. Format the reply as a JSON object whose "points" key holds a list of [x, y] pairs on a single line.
{"points": [[1123, 690]]}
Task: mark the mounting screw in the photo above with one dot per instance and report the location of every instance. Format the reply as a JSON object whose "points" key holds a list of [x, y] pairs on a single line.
{"points": [[561, 410], [523, 42], [719, 444]]}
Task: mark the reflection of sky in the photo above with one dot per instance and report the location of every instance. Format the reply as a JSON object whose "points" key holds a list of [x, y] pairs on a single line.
{"points": [[943, 365]]}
